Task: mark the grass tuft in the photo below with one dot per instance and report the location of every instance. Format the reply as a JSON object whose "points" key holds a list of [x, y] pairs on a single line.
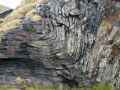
{"points": [[41, 87]]}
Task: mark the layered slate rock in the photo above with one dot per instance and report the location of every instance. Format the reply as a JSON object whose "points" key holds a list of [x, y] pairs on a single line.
{"points": [[104, 59], [68, 42], [61, 40], [71, 35], [4, 11]]}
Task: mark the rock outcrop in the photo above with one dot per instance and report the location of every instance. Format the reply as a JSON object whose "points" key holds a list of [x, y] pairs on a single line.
{"points": [[4, 11], [75, 41]]}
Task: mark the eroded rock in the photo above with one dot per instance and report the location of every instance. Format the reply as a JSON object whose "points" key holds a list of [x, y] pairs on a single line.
{"points": [[68, 33]]}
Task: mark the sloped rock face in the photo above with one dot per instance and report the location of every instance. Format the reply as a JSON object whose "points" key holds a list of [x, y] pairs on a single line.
{"points": [[68, 42], [5, 13]]}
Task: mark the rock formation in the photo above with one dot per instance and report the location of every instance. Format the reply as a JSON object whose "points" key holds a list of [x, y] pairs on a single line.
{"points": [[75, 41]]}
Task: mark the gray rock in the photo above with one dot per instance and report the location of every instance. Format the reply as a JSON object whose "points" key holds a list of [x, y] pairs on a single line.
{"points": [[67, 40]]}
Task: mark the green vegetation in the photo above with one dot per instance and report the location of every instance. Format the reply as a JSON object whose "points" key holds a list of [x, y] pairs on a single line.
{"points": [[30, 29], [1, 20], [41, 87], [102, 87]]}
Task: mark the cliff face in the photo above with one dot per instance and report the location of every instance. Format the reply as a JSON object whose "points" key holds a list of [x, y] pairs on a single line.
{"points": [[72, 40]]}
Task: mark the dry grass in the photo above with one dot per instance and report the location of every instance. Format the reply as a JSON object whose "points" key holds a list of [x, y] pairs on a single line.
{"points": [[20, 12], [10, 25], [31, 12], [107, 22], [36, 18], [33, 15], [106, 26], [13, 20], [28, 1]]}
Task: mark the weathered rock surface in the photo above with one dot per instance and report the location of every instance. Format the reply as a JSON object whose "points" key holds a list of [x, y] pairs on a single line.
{"points": [[104, 59], [68, 42]]}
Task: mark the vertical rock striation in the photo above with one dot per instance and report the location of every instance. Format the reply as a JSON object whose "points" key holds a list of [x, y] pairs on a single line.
{"points": [[71, 36]]}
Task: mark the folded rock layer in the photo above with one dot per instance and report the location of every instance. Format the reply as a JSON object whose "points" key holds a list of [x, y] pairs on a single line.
{"points": [[77, 41]]}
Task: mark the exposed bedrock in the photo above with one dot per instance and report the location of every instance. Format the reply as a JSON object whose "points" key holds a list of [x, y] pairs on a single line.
{"points": [[67, 41]]}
